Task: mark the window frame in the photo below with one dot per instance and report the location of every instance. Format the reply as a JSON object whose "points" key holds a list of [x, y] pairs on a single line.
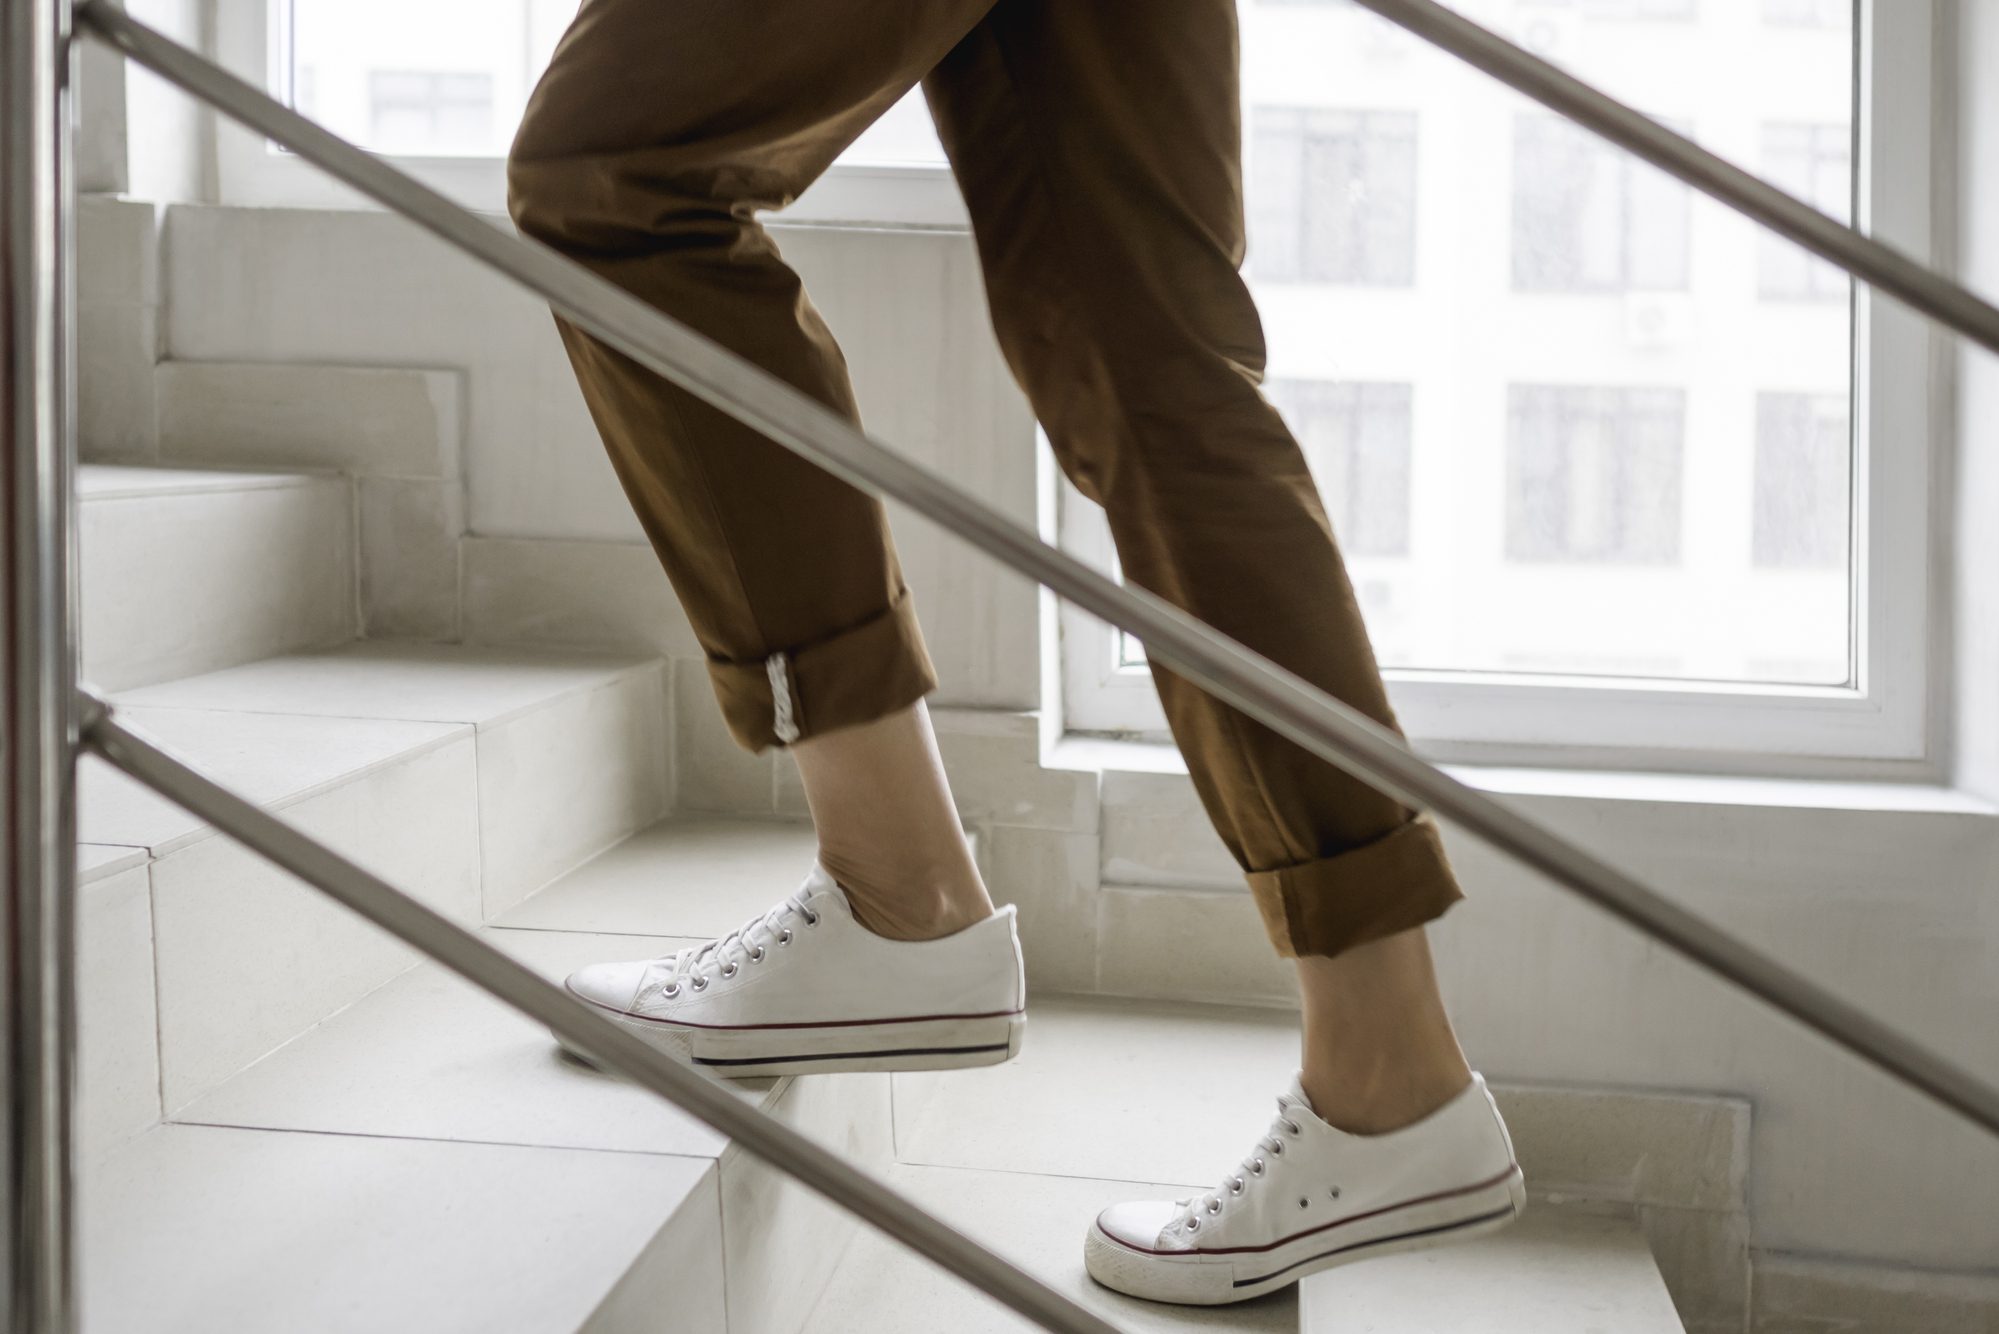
{"points": [[251, 43], [1884, 726]]}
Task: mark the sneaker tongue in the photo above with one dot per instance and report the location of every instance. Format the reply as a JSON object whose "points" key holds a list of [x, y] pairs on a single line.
{"points": [[1295, 1095], [821, 887]]}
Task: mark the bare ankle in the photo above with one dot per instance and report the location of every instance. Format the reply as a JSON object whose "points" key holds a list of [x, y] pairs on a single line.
{"points": [[920, 918], [1385, 1099]]}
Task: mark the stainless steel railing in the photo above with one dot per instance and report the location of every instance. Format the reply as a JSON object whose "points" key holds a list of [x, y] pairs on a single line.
{"points": [[1278, 698]]}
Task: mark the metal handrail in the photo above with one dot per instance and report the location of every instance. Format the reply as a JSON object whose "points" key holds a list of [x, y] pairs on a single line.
{"points": [[1921, 288], [1219, 665]]}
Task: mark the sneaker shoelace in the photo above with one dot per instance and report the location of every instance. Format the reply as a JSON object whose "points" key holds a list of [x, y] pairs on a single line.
{"points": [[749, 943], [1199, 1207]]}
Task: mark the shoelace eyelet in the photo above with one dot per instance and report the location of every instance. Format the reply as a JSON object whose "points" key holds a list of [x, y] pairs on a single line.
{"points": [[1334, 1193], [1292, 1126], [670, 990], [757, 954], [1214, 1206], [1236, 1188], [698, 983], [1193, 1225], [731, 970], [1256, 1168], [784, 936], [1304, 1203], [1277, 1149], [811, 919]]}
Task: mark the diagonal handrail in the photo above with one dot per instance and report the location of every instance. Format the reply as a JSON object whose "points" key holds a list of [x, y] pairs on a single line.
{"points": [[1259, 688], [1922, 289], [597, 1037]]}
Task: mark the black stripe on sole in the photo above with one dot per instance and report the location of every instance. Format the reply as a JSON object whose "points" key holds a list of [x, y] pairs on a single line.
{"points": [[848, 1055], [1380, 1241]]}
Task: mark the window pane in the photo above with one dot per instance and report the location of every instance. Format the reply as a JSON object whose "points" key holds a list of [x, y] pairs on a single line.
{"points": [[1621, 433], [423, 78]]}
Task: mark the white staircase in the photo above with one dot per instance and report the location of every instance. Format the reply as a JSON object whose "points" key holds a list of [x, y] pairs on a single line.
{"points": [[293, 1124]]}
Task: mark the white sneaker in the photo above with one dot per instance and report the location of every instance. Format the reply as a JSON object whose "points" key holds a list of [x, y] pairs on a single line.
{"points": [[1310, 1198], [806, 989]]}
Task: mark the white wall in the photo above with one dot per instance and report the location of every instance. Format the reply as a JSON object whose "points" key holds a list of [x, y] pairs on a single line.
{"points": [[367, 289]]}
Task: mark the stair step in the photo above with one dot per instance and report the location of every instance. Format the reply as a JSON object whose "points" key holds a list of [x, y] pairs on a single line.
{"points": [[196, 1229], [468, 777], [184, 571], [1553, 1272]]}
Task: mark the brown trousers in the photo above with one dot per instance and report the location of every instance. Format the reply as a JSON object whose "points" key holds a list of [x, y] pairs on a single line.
{"points": [[1098, 146]]}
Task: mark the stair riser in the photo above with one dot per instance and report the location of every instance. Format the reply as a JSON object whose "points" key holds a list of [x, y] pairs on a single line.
{"points": [[562, 783], [118, 1057], [175, 585], [249, 958], [782, 1240]]}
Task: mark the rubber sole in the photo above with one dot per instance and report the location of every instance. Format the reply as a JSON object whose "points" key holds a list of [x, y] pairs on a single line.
{"points": [[911, 1044], [1197, 1278]]}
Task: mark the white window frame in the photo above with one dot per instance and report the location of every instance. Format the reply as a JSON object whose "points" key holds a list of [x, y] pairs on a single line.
{"points": [[1881, 727], [250, 171]]}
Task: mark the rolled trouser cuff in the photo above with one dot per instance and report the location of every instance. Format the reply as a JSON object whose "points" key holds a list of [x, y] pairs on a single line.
{"points": [[1399, 882], [865, 672]]}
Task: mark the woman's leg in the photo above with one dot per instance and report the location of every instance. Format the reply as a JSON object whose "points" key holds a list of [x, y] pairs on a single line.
{"points": [[657, 132], [1100, 158], [1101, 163], [888, 831]]}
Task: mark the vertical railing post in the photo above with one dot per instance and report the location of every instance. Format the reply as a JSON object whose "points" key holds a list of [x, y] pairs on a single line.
{"points": [[37, 669]]}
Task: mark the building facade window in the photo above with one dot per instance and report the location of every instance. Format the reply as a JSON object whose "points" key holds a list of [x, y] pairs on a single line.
{"points": [[1357, 439], [1593, 474], [1832, 14], [426, 112], [1804, 481], [1815, 163], [1589, 218], [1332, 196]]}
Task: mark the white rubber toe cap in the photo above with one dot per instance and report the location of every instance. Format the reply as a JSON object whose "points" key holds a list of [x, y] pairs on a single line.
{"points": [[1138, 1223], [613, 985]]}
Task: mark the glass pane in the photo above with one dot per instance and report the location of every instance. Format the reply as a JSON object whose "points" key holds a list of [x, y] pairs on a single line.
{"points": [[450, 78], [422, 78], [1619, 440]]}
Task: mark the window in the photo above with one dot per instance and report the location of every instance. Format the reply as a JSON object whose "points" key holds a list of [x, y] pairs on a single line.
{"points": [[1803, 486], [1333, 193], [1588, 218], [1594, 474], [1815, 163], [429, 113], [1629, 523], [1356, 437], [440, 86]]}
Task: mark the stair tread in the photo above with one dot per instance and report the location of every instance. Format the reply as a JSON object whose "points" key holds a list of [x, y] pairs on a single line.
{"points": [[683, 876], [386, 679], [429, 1056], [282, 727], [197, 1229], [117, 481]]}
